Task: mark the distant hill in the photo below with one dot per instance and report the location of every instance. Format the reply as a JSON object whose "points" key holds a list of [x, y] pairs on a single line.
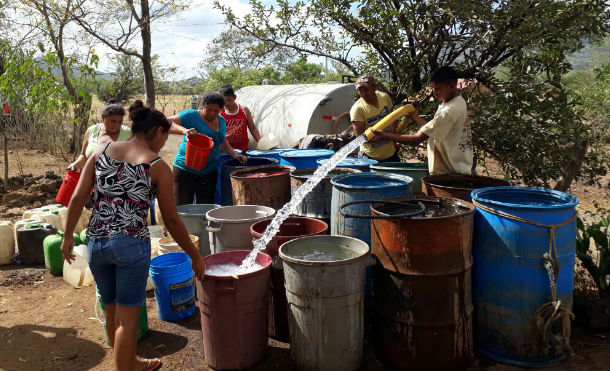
{"points": [[56, 71]]}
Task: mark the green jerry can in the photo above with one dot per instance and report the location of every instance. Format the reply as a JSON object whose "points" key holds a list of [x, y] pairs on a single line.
{"points": [[83, 236], [53, 259]]}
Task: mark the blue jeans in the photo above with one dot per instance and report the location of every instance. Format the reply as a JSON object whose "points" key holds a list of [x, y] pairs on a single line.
{"points": [[120, 266]]}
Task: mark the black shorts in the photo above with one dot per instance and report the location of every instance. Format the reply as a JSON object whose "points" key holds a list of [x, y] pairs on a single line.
{"points": [[190, 188]]}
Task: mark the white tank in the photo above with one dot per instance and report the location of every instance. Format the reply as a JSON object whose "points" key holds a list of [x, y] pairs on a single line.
{"points": [[293, 111], [7, 242]]}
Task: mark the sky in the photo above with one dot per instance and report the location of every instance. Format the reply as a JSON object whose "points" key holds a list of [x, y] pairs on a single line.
{"points": [[181, 40]]}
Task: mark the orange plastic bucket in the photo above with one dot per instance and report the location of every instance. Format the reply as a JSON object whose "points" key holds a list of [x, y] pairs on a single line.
{"points": [[67, 187], [198, 149]]}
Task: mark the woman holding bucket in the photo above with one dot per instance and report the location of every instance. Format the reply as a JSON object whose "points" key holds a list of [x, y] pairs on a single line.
{"points": [[111, 129], [200, 183], [127, 176]]}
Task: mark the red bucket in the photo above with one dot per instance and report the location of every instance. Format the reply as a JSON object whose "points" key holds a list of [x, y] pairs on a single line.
{"points": [[198, 148], [234, 313], [67, 187]]}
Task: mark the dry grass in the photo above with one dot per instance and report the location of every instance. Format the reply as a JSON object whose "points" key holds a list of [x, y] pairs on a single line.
{"points": [[168, 104]]}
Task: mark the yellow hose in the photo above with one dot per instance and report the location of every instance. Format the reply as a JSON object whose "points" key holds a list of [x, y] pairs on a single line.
{"points": [[389, 119]]}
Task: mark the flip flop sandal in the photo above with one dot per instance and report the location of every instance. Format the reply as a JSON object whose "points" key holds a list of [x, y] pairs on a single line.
{"points": [[153, 365]]}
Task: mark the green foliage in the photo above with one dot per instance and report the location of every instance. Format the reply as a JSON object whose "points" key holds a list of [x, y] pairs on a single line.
{"points": [[595, 261], [302, 72], [127, 81], [529, 124], [28, 87]]}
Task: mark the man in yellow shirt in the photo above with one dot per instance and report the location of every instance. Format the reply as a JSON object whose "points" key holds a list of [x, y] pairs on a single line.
{"points": [[372, 106], [448, 133]]}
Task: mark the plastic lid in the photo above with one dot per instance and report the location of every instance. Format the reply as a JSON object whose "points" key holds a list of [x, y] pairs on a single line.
{"points": [[33, 225], [307, 153], [259, 152], [523, 197], [352, 161], [371, 181], [55, 212], [402, 165]]}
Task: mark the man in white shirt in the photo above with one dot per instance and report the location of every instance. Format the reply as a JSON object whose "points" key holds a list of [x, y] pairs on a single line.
{"points": [[448, 133]]}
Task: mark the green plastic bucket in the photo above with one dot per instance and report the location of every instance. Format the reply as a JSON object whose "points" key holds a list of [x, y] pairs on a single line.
{"points": [[142, 329]]}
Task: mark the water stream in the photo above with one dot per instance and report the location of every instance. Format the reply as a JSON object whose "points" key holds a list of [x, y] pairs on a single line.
{"points": [[298, 196]]}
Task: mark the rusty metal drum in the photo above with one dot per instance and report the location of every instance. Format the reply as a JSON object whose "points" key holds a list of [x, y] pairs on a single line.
{"points": [[267, 185], [422, 286], [457, 185]]}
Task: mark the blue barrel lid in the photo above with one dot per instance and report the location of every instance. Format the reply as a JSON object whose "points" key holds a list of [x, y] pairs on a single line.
{"points": [[307, 153], [524, 197], [371, 181], [351, 161], [260, 152], [400, 166]]}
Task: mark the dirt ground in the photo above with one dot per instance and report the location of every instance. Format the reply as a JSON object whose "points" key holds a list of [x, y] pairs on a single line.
{"points": [[47, 324]]}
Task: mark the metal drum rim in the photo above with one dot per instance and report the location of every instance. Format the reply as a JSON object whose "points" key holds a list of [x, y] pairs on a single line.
{"points": [[462, 203], [292, 260]]}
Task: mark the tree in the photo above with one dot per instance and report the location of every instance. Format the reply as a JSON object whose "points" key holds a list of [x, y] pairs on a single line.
{"points": [[127, 80], [52, 19], [236, 48], [34, 96], [117, 23], [301, 72], [406, 40]]}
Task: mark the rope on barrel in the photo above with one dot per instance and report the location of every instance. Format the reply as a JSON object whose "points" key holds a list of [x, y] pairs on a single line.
{"points": [[552, 311]]}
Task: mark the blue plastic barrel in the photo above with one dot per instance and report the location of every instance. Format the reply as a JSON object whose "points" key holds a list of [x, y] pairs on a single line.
{"points": [[509, 282], [175, 287], [272, 153], [222, 159], [304, 158], [231, 165], [360, 187], [362, 164]]}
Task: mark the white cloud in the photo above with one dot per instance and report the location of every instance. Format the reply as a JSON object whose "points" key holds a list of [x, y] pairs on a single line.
{"points": [[181, 40]]}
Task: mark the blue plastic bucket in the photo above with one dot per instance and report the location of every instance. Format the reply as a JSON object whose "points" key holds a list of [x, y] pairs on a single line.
{"points": [[272, 153], [304, 158], [509, 282], [175, 287], [225, 175], [362, 164], [222, 159]]}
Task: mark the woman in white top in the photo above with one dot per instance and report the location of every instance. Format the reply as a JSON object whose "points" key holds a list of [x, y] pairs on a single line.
{"points": [[110, 130]]}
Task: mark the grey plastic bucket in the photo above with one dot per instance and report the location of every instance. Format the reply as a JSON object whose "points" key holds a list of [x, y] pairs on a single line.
{"points": [[325, 302], [229, 226], [193, 217]]}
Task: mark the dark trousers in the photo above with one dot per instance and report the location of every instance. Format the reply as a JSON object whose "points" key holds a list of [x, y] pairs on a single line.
{"points": [[188, 186]]}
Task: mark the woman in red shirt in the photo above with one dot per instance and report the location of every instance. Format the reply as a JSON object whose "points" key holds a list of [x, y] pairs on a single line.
{"points": [[238, 119]]}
